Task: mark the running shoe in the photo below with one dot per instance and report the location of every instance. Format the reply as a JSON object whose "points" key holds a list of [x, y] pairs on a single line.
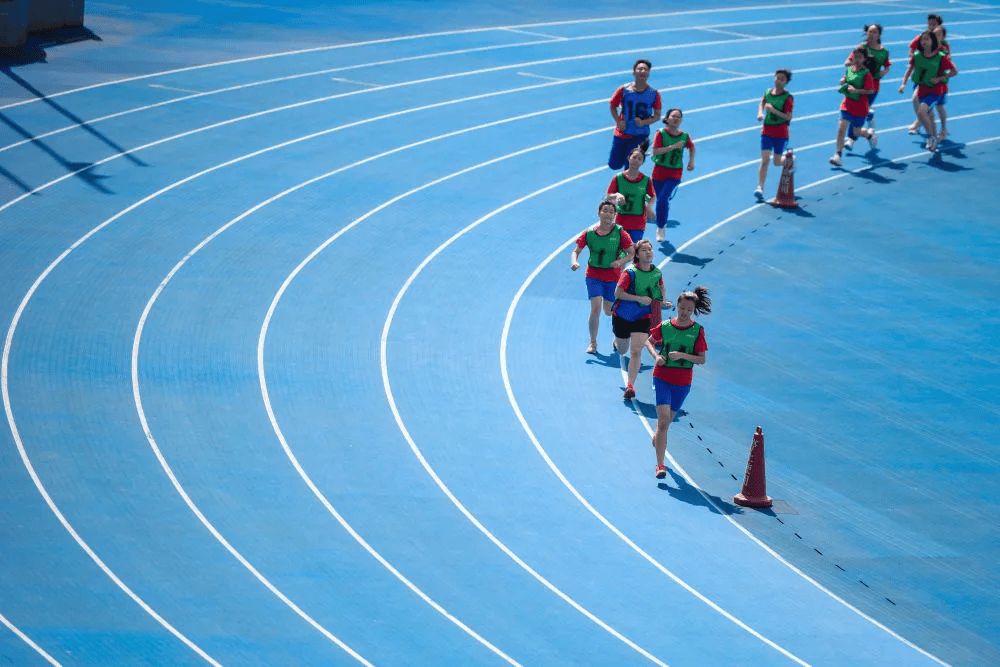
{"points": [[661, 234], [629, 393], [932, 144], [759, 193], [848, 143], [661, 472], [592, 348], [873, 139], [835, 159], [915, 127]]}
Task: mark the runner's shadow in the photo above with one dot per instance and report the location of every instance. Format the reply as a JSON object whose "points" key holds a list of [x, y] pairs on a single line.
{"points": [[952, 149], [692, 496], [609, 360], [670, 251], [938, 162]]}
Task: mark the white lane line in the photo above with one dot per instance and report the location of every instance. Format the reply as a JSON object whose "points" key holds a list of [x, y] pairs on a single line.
{"points": [[151, 85], [503, 361], [61, 179], [137, 398], [384, 116], [390, 40], [556, 38], [725, 71], [27, 640], [540, 76], [380, 63], [396, 85], [729, 32], [26, 460], [357, 83], [288, 451], [383, 356]]}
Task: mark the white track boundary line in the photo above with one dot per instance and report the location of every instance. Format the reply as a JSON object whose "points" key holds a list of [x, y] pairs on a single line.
{"points": [[390, 40], [684, 473], [379, 63], [137, 398], [266, 112], [27, 640], [4, 368]]}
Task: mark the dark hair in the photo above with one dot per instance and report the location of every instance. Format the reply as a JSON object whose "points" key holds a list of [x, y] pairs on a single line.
{"points": [[606, 202], [644, 147], [670, 111], [877, 26], [936, 18], [702, 304], [934, 39], [642, 61], [786, 72], [638, 243]]}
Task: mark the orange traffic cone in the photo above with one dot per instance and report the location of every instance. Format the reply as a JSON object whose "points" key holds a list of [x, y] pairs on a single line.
{"points": [[786, 187], [754, 493]]}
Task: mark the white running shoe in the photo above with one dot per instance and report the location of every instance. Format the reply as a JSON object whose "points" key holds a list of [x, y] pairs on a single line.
{"points": [[915, 127], [848, 143], [661, 234], [932, 144], [759, 193], [873, 140], [836, 159]]}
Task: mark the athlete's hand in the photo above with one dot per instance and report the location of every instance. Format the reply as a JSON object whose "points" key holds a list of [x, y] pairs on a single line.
{"points": [[690, 166], [760, 116], [645, 300], [661, 360], [769, 107], [621, 124], [902, 87], [674, 354], [574, 266]]}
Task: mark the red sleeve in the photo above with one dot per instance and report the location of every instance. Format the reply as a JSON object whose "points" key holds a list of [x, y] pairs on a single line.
{"points": [[658, 140], [789, 104], [613, 186], [626, 240], [657, 103], [625, 280], [946, 64], [690, 144], [650, 191], [656, 335], [618, 97], [582, 240], [701, 345], [915, 44], [869, 83]]}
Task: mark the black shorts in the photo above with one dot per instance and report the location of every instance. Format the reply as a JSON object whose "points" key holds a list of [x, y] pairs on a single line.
{"points": [[625, 328]]}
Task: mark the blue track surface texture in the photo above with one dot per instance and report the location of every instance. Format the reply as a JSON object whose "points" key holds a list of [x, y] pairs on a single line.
{"points": [[293, 362]]}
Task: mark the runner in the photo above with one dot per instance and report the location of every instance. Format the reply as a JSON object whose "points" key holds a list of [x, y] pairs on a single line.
{"points": [[634, 106], [856, 85], [639, 196], [880, 54], [677, 345], [775, 109], [638, 293], [610, 248], [931, 70], [668, 158]]}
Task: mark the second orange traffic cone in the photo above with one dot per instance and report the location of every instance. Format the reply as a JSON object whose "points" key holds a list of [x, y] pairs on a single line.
{"points": [[754, 493]]}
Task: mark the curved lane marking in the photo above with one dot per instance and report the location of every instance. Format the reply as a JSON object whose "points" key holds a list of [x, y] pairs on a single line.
{"points": [[27, 640]]}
